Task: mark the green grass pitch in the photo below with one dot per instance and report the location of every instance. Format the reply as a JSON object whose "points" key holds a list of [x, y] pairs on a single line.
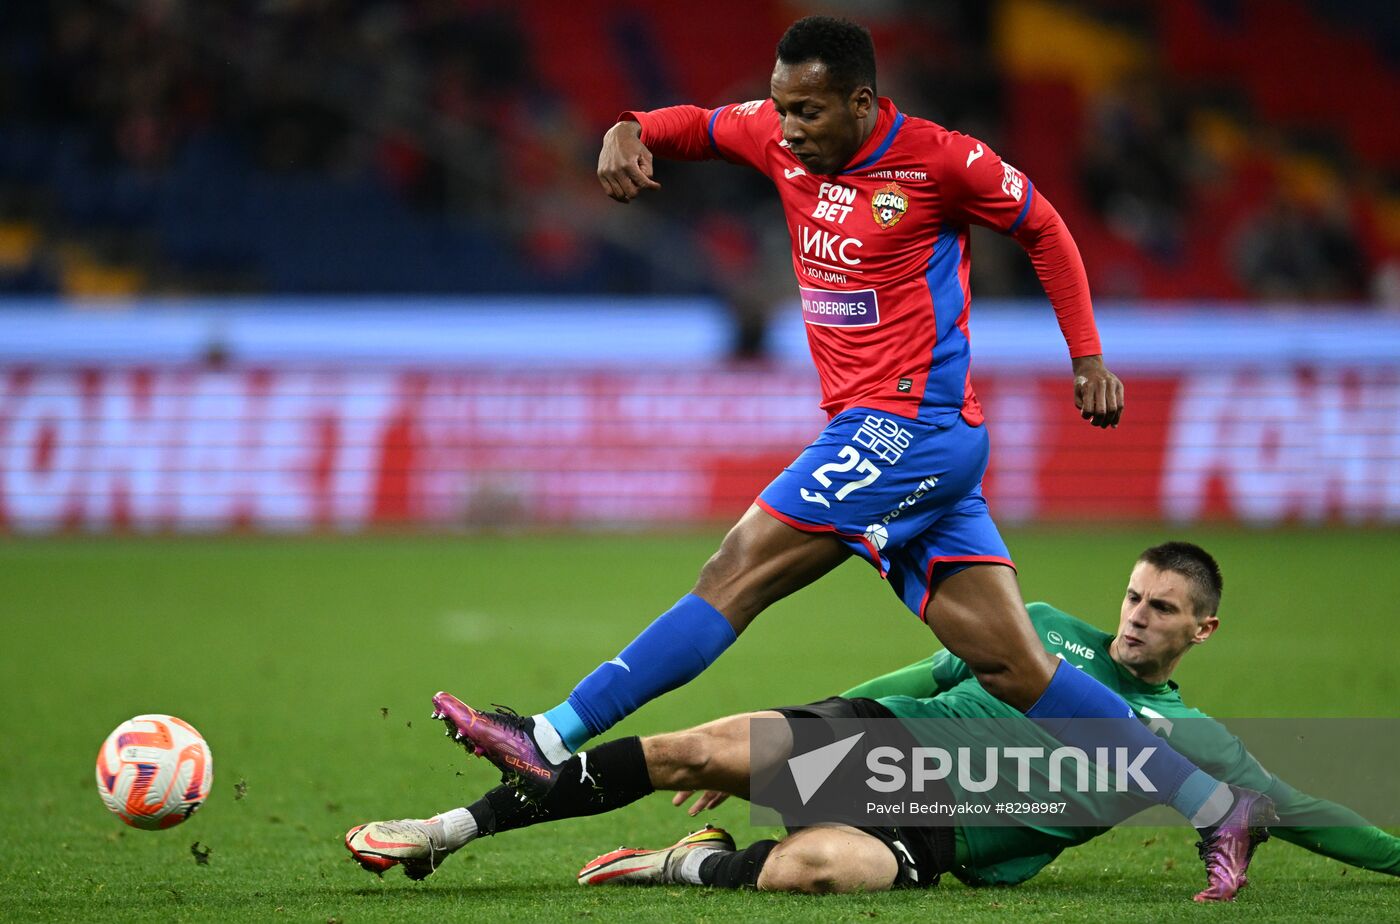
{"points": [[309, 663]]}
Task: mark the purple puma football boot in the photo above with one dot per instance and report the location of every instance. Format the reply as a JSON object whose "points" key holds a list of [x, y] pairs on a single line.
{"points": [[503, 737], [1227, 849]]}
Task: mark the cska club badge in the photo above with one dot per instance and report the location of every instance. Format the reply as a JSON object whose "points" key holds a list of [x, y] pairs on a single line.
{"points": [[888, 205]]}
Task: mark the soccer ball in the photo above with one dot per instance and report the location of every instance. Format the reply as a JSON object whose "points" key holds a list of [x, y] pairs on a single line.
{"points": [[154, 771]]}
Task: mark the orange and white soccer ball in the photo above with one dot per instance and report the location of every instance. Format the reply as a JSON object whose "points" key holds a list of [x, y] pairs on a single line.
{"points": [[154, 771]]}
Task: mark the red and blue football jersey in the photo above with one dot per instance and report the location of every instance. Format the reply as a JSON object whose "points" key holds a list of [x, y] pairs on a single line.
{"points": [[881, 251]]}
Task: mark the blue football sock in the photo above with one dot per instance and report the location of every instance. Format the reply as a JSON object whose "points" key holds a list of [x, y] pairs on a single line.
{"points": [[1073, 694], [669, 653]]}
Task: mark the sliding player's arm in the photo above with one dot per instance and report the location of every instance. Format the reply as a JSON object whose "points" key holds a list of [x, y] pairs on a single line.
{"points": [[941, 671], [1331, 830], [980, 188], [1346, 837], [1315, 824]]}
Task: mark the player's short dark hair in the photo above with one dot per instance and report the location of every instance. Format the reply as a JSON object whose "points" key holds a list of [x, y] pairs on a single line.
{"points": [[1197, 566], [843, 46]]}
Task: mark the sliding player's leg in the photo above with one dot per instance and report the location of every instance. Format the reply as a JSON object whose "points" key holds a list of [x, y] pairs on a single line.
{"points": [[824, 859], [714, 756], [834, 858], [830, 858]]}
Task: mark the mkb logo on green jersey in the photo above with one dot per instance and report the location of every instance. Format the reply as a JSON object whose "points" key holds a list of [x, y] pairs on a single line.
{"points": [[1059, 641]]}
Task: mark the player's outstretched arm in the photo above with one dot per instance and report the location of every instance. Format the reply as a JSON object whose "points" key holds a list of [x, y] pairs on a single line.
{"points": [[1314, 824], [624, 163], [916, 680], [940, 671], [1337, 831]]}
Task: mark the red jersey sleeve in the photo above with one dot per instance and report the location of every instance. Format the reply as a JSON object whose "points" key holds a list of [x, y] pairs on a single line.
{"points": [[980, 188], [1046, 238], [737, 132]]}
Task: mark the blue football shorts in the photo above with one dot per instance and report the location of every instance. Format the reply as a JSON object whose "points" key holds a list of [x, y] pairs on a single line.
{"points": [[904, 494]]}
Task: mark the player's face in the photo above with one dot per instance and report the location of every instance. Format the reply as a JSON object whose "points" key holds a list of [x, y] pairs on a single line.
{"points": [[822, 127], [1158, 623]]}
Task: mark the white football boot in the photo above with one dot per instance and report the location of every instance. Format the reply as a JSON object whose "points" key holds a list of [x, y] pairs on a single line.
{"points": [[419, 846]]}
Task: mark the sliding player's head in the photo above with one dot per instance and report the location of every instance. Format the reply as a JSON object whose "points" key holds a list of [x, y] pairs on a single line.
{"points": [[1169, 606], [824, 89]]}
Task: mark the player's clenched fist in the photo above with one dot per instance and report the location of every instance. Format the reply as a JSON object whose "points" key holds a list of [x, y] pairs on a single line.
{"points": [[624, 164], [1098, 393]]}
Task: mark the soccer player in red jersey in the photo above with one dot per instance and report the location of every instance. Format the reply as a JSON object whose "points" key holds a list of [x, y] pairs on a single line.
{"points": [[878, 205]]}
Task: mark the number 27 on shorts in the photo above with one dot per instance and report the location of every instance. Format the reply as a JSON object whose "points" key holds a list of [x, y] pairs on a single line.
{"points": [[851, 459]]}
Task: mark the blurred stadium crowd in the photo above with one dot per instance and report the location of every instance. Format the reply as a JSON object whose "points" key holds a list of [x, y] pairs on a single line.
{"points": [[1199, 149]]}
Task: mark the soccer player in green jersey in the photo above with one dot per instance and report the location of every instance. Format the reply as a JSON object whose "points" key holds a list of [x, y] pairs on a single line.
{"points": [[1169, 607]]}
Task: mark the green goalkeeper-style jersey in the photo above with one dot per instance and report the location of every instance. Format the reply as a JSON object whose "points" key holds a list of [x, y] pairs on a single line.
{"points": [[943, 687]]}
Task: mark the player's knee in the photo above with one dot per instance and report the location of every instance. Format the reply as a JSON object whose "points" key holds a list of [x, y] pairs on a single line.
{"points": [[805, 865], [722, 567], [752, 542], [1018, 684], [729, 583], [998, 679], [748, 545]]}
